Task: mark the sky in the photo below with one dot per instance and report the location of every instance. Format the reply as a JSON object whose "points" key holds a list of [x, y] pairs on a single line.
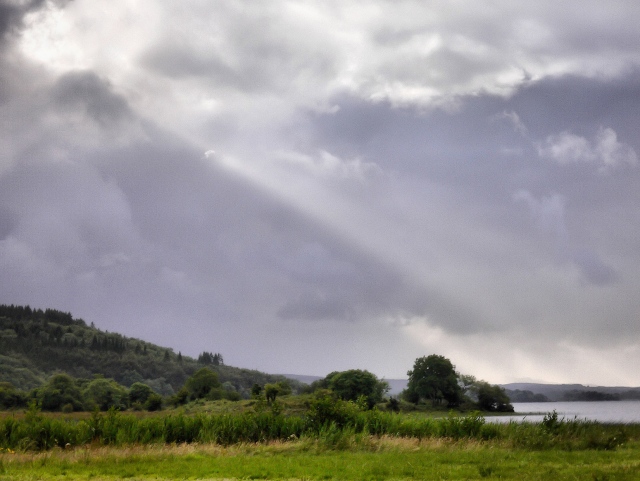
{"points": [[313, 186]]}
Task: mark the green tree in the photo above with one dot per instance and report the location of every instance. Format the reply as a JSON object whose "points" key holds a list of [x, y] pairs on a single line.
{"points": [[153, 402], [10, 397], [180, 398], [434, 377], [284, 387], [354, 384], [106, 393], [271, 391], [201, 382], [139, 393], [256, 389], [60, 391], [493, 398]]}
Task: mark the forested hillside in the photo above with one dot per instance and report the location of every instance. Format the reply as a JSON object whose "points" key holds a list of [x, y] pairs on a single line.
{"points": [[34, 344]]}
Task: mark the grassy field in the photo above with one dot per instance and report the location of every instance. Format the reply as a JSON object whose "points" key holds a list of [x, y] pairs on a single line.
{"points": [[329, 440], [369, 458]]}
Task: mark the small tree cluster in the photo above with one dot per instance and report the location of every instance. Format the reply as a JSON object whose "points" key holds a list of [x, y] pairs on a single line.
{"points": [[209, 358], [67, 394], [204, 384], [354, 385], [434, 378]]}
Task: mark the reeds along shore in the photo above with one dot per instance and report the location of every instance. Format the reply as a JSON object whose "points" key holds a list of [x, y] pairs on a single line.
{"points": [[346, 426]]}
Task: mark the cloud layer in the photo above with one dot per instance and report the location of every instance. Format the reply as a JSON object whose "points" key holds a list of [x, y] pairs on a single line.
{"points": [[322, 185]]}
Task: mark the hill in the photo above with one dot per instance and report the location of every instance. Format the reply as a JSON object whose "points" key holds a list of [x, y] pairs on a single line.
{"points": [[533, 392], [34, 344]]}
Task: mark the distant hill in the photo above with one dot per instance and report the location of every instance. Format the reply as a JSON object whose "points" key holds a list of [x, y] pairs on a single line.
{"points": [[34, 344], [522, 392]]}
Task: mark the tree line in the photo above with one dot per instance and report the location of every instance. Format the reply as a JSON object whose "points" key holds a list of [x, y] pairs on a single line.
{"points": [[61, 362], [64, 393]]}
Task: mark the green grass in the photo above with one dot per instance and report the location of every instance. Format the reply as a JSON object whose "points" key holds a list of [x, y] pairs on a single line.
{"points": [[330, 422], [371, 459], [330, 440]]}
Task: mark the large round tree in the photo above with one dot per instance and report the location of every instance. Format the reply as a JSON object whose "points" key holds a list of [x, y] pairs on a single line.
{"points": [[201, 383], [434, 377], [355, 383]]}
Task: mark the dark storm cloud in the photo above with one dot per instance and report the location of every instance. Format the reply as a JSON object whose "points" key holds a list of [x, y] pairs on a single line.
{"points": [[12, 13], [7, 223], [594, 270], [86, 91], [348, 287], [574, 102]]}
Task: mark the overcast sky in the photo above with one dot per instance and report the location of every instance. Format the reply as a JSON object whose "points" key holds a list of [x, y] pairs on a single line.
{"points": [[315, 186]]}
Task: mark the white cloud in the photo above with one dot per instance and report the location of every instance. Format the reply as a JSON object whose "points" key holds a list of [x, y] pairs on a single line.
{"points": [[611, 152], [514, 119], [325, 164], [604, 150]]}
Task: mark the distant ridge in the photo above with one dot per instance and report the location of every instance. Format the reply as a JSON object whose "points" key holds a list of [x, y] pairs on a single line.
{"points": [[568, 392]]}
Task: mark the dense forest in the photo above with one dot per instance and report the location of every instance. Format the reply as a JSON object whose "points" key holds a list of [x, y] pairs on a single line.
{"points": [[35, 344]]}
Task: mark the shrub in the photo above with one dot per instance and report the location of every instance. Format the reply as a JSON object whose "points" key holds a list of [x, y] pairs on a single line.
{"points": [[11, 398], [153, 402], [59, 391], [202, 381], [139, 393], [106, 394]]}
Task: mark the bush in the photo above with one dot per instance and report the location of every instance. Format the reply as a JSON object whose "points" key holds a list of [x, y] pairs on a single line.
{"points": [[139, 393], [325, 410], [106, 394], [153, 402], [59, 391], [180, 398], [11, 398], [232, 396], [202, 381]]}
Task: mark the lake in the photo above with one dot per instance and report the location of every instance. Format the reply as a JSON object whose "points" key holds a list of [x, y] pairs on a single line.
{"points": [[603, 411]]}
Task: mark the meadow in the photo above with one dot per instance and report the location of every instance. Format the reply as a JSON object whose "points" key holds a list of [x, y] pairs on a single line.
{"points": [[328, 441]]}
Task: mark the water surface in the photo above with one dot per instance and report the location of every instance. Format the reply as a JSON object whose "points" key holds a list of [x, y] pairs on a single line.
{"points": [[603, 411]]}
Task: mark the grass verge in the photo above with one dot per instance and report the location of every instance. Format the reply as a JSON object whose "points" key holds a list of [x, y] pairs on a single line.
{"points": [[374, 458]]}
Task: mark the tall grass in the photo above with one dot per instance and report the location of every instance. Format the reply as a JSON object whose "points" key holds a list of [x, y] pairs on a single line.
{"points": [[333, 426]]}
